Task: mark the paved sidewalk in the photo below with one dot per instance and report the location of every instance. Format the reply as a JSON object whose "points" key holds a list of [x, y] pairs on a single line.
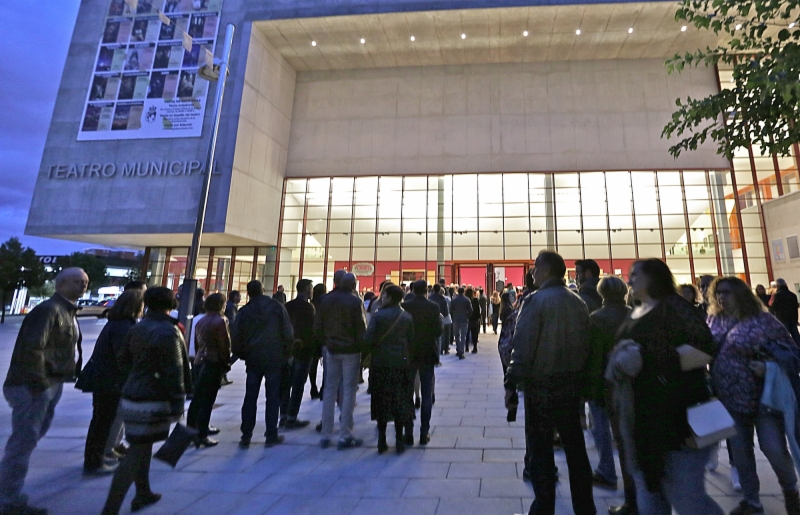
{"points": [[473, 464]]}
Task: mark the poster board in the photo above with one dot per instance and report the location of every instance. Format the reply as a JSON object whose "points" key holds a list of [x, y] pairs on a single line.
{"points": [[144, 82]]}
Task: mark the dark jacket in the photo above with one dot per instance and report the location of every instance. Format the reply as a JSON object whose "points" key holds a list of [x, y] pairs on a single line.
{"points": [[588, 292], [390, 342], [106, 375], [475, 315], [460, 309], [213, 339], [784, 306], [45, 347], [279, 296], [427, 328], [603, 326], [154, 361], [231, 310], [301, 314], [440, 301], [552, 334], [262, 334], [483, 302], [340, 323]]}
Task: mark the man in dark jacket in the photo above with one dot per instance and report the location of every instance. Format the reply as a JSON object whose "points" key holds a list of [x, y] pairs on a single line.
{"points": [[460, 311], [262, 336], [483, 302], [232, 306], [43, 359], [474, 320], [279, 295], [301, 313], [339, 325], [424, 354], [784, 307], [550, 349], [444, 310], [587, 274]]}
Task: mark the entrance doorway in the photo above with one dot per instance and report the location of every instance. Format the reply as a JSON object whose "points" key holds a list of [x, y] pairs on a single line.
{"points": [[491, 276]]}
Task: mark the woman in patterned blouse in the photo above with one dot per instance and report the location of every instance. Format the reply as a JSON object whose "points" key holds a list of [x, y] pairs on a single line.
{"points": [[741, 327]]}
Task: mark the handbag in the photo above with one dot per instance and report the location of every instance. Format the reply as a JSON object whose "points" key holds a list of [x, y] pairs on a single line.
{"points": [[176, 445], [710, 423], [87, 379]]}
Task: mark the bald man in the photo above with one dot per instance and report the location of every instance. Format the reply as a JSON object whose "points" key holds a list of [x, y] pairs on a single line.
{"points": [[43, 359]]}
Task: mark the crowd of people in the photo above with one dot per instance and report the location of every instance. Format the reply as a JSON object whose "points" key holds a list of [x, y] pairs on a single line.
{"points": [[640, 354]]}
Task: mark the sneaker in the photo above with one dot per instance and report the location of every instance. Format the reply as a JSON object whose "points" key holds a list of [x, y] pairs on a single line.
{"points": [[142, 500], [792, 501], [737, 486], [745, 508], [424, 439], [324, 443], [102, 470], [272, 442], [225, 381], [213, 430], [244, 443], [461, 356], [349, 443], [601, 482], [22, 509], [121, 449], [296, 424], [474, 351]]}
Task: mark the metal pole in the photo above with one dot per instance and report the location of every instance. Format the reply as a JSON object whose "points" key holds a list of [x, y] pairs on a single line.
{"points": [[189, 286]]}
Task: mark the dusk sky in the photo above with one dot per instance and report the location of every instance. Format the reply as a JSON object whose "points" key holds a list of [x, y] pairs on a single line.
{"points": [[37, 36]]}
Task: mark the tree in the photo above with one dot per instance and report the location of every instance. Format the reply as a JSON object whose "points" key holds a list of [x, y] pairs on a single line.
{"points": [[19, 268], [94, 267], [760, 42]]}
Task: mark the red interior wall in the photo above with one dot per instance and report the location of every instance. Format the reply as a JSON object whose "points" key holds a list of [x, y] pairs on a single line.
{"points": [[474, 276]]}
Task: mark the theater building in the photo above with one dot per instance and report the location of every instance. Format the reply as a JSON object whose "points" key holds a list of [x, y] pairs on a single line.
{"points": [[397, 139]]}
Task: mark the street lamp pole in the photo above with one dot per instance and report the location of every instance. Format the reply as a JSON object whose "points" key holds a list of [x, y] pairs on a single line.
{"points": [[189, 286]]}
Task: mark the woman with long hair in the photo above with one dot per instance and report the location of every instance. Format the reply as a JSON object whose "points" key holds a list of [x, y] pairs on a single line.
{"points": [[105, 383], [153, 359], [660, 362], [495, 301], [388, 338], [747, 337]]}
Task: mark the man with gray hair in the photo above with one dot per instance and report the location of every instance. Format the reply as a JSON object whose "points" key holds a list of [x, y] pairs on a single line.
{"points": [[784, 306], [339, 325], [43, 360]]}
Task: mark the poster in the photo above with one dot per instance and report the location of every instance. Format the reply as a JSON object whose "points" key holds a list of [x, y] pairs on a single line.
{"points": [[145, 83], [777, 250]]}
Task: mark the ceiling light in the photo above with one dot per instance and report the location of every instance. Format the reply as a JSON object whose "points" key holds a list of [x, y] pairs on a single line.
{"points": [[683, 29], [525, 33], [313, 43], [630, 30], [578, 32], [413, 38], [363, 41], [738, 26], [463, 36]]}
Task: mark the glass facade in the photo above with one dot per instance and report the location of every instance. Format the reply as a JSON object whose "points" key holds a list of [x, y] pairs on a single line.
{"points": [[479, 228]]}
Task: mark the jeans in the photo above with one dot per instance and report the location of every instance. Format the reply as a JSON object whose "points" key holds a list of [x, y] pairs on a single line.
{"points": [[553, 402], [104, 412], [444, 339], [461, 331], [205, 394], [31, 416], [426, 375], [772, 440], [272, 387], [601, 432], [682, 489], [344, 369], [292, 396], [495, 321]]}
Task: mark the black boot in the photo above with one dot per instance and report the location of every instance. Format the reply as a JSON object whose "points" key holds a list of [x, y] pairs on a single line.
{"points": [[399, 443], [382, 445]]}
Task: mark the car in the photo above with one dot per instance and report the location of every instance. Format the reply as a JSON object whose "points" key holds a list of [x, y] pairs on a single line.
{"points": [[94, 308]]}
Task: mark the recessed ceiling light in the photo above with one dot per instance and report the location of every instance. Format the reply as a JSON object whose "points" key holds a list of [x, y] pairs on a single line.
{"points": [[413, 38], [313, 43], [738, 26], [630, 30], [578, 32], [683, 29], [525, 33], [363, 41], [463, 36]]}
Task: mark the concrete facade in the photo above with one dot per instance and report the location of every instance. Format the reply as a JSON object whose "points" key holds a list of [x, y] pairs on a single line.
{"points": [[780, 216], [580, 115]]}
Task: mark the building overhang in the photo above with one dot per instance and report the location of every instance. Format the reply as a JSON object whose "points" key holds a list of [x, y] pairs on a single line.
{"points": [[490, 36]]}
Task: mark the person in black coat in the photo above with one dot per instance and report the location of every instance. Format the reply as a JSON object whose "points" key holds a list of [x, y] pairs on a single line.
{"points": [[301, 313], [262, 336], [474, 320], [388, 338], [103, 378], [318, 293], [424, 355], [784, 307], [483, 302]]}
